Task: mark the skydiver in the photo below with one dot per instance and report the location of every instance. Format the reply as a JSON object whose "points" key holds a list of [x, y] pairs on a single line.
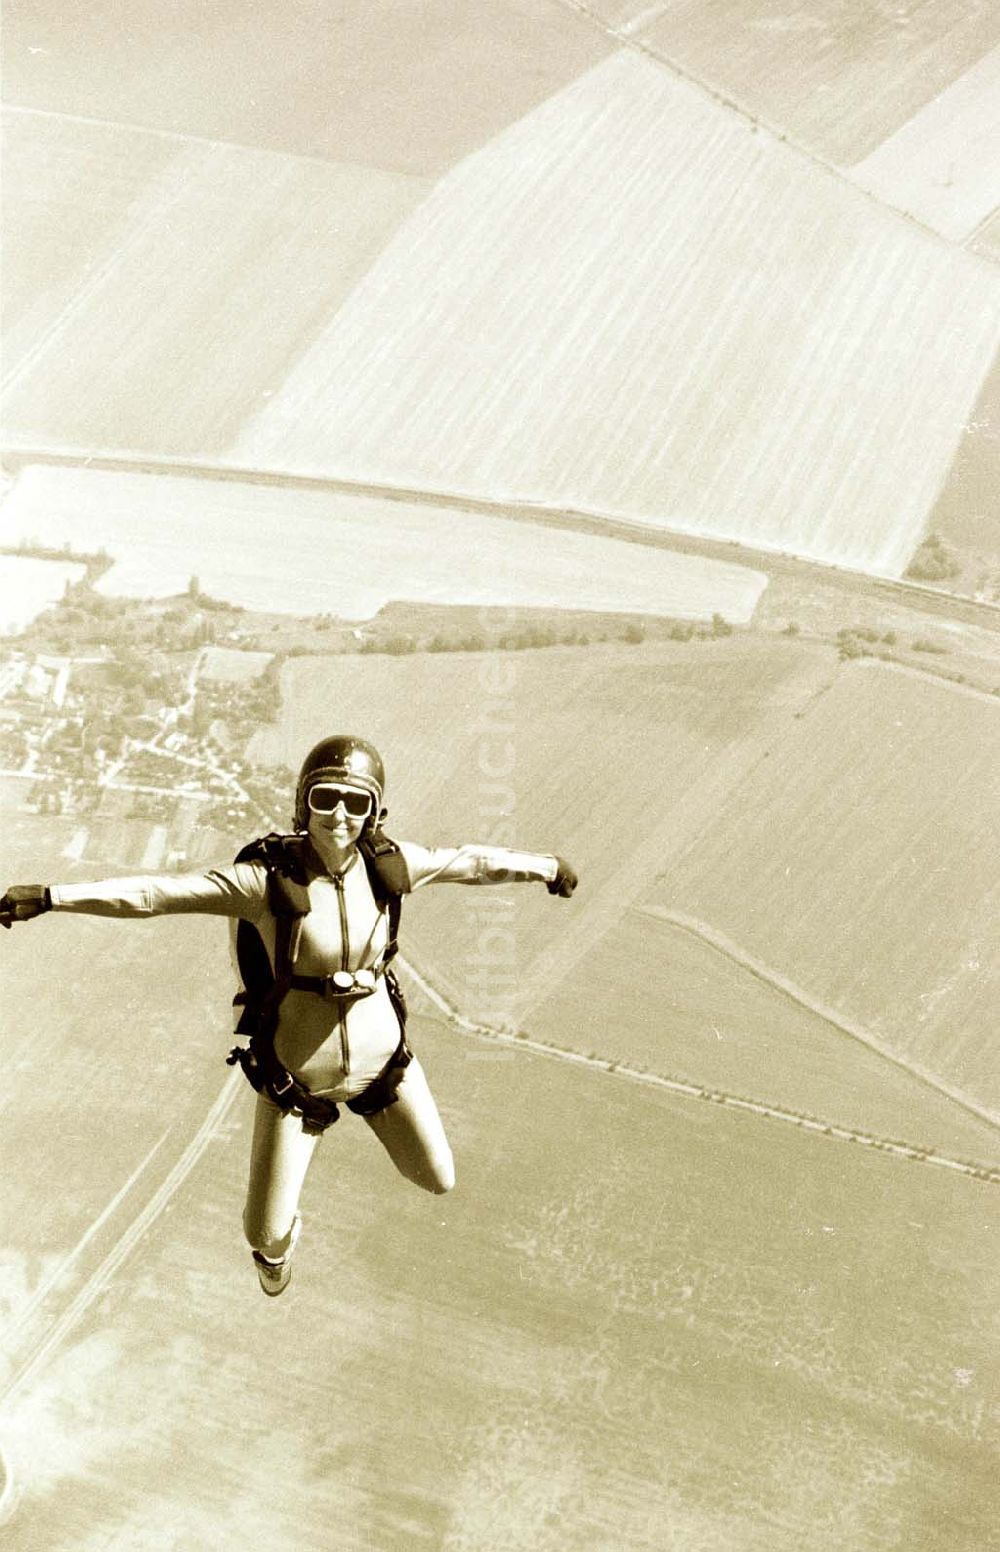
{"points": [[314, 916]]}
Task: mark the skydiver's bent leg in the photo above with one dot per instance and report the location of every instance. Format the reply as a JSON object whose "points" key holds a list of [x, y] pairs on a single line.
{"points": [[280, 1156], [411, 1133]]}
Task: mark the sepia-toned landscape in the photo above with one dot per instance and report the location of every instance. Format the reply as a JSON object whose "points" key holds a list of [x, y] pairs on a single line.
{"points": [[599, 416]]}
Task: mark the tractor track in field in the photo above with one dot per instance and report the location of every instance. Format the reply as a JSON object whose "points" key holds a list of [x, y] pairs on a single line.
{"points": [[895, 1147], [127, 1241], [787, 989]]}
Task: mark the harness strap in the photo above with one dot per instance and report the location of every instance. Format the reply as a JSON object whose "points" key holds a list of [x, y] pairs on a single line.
{"points": [[390, 880], [325, 985], [289, 902], [267, 1075], [382, 1091], [286, 935]]}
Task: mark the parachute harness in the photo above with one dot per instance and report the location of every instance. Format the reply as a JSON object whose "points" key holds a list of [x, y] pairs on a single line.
{"points": [[264, 989]]}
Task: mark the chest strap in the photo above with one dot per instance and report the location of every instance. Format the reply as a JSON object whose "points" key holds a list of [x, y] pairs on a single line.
{"points": [[346, 985]]}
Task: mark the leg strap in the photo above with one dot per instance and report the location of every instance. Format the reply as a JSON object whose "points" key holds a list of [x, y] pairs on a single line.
{"points": [[267, 1075], [382, 1091]]}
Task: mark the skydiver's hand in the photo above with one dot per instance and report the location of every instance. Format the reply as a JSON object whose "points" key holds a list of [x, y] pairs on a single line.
{"points": [[565, 880], [22, 902]]}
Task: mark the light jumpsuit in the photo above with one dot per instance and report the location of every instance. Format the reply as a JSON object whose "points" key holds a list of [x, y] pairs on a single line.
{"points": [[335, 1048]]}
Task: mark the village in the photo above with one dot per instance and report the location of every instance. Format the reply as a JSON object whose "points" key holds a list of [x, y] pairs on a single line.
{"points": [[90, 736]]}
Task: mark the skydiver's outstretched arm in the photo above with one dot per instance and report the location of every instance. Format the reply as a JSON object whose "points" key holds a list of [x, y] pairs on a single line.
{"points": [[238, 890], [241, 889], [479, 864]]}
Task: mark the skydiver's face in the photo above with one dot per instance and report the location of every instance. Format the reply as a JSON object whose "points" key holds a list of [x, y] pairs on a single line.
{"points": [[337, 814]]}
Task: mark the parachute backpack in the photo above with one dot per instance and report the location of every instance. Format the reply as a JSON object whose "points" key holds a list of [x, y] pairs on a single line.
{"points": [[264, 987]]}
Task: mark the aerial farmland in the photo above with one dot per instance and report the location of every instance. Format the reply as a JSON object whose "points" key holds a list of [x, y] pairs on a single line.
{"points": [[594, 406], [625, 1278]]}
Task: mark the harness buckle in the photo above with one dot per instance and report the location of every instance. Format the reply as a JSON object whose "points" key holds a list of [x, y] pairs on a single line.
{"points": [[352, 983], [280, 1086]]}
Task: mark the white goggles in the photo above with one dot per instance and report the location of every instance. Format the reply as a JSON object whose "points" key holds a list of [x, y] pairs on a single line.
{"points": [[326, 796]]}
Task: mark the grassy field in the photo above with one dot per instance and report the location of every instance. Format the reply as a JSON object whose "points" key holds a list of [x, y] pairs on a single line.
{"points": [[964, 513], [112, 1034], [868, 875], [659, 240], [657, 998], [836, 824], [590, 752]]}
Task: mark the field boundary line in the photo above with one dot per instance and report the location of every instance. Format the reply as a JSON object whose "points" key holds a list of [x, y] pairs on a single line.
{"points": [[691, 1090], [921, 675], [779, 983], [211, 142], [99, 1280], [626, 36]]}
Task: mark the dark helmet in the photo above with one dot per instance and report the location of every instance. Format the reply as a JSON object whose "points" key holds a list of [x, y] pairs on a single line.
{"points": [[341, 757]]}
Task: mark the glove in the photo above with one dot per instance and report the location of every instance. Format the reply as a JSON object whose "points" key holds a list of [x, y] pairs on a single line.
{"points": [[565, 880], [22, 902]]}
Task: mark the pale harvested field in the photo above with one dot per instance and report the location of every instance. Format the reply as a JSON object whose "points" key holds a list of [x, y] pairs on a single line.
{"points": [[838, 80], [306, 551], [157, 288], [861, 860], [405, 89], [632, 302], [68, 188]]}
